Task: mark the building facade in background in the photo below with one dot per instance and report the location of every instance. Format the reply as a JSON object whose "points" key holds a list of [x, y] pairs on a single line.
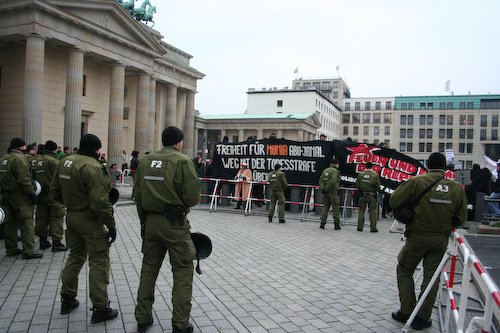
{"points": [[73, 67], [335, 90]]}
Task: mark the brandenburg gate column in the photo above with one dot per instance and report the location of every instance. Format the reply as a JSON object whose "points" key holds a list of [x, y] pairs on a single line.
{"points": [[189, 125], [142, 114], [152, 114], [300, 135], [73, 108], [171, 110], [33, 88], [260, 134], [115, 124]]}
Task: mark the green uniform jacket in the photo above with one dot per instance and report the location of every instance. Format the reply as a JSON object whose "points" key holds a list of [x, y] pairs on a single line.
{"points": [[439, 210], [82, 184], [166, 178], [44, 169], [368, 181], [15, 176], [277, 180], [330, 179]]}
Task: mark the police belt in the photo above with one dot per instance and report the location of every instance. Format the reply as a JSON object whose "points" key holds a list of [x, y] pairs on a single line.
{"points": [[174, 214]]}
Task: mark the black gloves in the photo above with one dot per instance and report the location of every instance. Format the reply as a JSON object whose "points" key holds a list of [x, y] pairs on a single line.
{"points": [[33, 199], [111, 235]]}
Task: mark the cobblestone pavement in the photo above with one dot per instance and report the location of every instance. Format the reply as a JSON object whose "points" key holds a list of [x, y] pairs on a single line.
{"points": [[261, 277]]}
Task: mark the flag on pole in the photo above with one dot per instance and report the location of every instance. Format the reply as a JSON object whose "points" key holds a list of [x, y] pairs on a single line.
{"points": [[447, 85], [296, 70], [338, 68]]}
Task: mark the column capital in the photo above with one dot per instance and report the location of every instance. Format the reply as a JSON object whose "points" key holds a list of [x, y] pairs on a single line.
{"points": [[35, 35]]}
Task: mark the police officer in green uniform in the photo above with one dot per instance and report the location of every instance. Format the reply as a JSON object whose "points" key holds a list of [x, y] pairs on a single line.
{"points": [[49, 213], [329, 184], [166, 186], [442, 208], [19, 197], [368, 184], [82, 184], [278, 184]]}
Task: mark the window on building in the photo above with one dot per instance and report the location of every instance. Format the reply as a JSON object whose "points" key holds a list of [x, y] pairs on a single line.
{"points": [[484, 120], [335, 95], [366, 118], [387, 130], [316, 85], [461, 147], [428, 134], [357, 106], [388, 105], [421, 147], [463, 119], [461, 133], [442, 105], [347, 106], [307, 85], [325, 85], [449, 105], [449, 119], [494, 120], [441, 147], [482, 134], [376, 118], [355, 130], [409, 133], [441, 133], [442, 119], [346, 130], [470, 105], [430, 119], [422, 106], [428, 147], [470, 119], [279, 103], [430, 106], [235, 138], [410, 119], [449, 133], [378, 105], [470, 133], [355, 118], [411, 106], [366, 130], [409, 147], [346, 118], [335, 84], [469, 148], [402, 147], [367, 106], [461, 105], [422, 119], [402, 133], [376, 141], [404, 106], [365, 141], [494, 134], [376, 130], [421, 133], [84, 88], [387, 118], [449, 145], [402, 120], [386, 141]]}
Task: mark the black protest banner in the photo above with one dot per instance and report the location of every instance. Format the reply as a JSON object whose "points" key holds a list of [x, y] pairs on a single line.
{"points": [[303, 162]]}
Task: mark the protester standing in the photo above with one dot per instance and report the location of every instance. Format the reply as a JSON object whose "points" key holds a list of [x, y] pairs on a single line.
{"points": [[278, 185], [368, 185], [330, 183], [243, 178], [166, 187], [442, 208]]}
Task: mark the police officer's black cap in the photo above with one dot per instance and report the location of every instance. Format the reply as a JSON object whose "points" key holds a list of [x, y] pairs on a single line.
{"points": [[171, 136], [50, 145], [114, 195], [203, 245], [16, 143], [31, 146], [436, 161], [90, 143]]}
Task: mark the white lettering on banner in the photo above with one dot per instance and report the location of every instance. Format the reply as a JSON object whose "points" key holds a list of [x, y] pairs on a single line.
{"points": [[257, 149], [257, 163], [232, 149], [292, 165], [259, 176], [305, 151]]}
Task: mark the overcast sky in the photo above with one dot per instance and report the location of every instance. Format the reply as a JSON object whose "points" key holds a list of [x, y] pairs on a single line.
{"points": [[382, 47]]}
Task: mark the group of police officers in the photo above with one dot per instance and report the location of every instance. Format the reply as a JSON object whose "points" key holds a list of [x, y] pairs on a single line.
{"points": [[166, 187]]}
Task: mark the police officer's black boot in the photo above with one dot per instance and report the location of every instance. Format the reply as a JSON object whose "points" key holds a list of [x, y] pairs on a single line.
{"points": [[337, 226], [282, 221], [68, 303], [58, 246], [141, 328], [270, 218], [101, 314], [44, 243], [188, 329]]}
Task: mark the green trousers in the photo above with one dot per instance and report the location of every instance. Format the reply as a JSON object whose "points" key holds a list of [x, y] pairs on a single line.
{"points": [[278, 196], [49, 217], [86, 237], [429, 247], [162, 236], [370, 201], [331, 199], [20, 217]]}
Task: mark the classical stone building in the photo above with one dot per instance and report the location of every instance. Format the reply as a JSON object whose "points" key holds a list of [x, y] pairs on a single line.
{"points": [[74, 67]]}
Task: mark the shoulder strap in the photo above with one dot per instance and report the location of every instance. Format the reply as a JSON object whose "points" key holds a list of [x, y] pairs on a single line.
{"points": [[427, 190]]}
